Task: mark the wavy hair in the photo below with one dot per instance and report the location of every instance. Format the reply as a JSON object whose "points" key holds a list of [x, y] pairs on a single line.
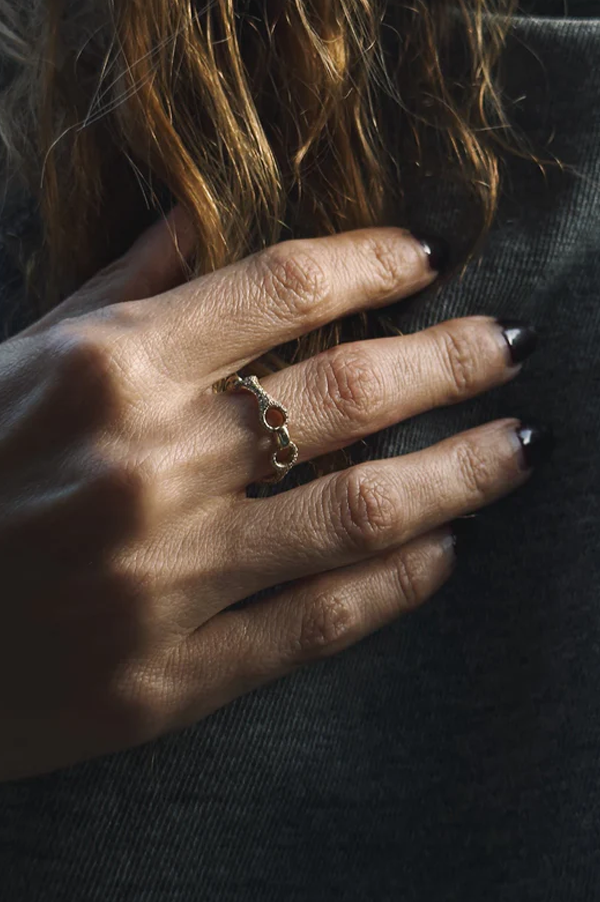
{"points": [[265, 118]]}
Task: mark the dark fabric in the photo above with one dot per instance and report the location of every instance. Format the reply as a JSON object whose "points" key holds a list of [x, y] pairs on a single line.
{"points": [[454, 755]]}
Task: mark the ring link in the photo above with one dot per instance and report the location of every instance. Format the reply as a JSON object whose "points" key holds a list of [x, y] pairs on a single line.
{"points": [[279, 430]]}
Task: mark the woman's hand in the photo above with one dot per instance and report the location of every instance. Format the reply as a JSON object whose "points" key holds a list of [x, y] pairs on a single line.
{"points": [[125, 530]]}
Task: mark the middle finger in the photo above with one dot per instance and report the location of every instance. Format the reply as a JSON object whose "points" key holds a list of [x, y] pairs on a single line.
{"points": [[359, 388]]}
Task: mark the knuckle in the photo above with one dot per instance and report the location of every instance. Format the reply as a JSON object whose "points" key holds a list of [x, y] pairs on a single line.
{"points": [[99, 375], [407, 571], [388, 260], [139, 700], [459, 358], [326, 619], [365, 512], [83, 366], [121, 489], [474, 469], [350, 385], [78, 353], [292, 277]]}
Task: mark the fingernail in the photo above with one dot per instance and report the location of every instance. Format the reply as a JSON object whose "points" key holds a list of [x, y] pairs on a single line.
{"points": [[447, 546], [437, 251], [448, 543], [537, 443], [462, 533], [521, 338]]}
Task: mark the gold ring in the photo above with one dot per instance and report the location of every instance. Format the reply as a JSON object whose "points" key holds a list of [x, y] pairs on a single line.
{"points": [[286, 452]]}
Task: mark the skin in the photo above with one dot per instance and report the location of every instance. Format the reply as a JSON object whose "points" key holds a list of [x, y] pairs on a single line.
{"points": [[125, 530]]}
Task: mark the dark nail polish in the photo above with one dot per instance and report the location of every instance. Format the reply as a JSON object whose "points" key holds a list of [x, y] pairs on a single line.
{"points": [[521, 338], [462, 533], [537, 441], [437, 250]]}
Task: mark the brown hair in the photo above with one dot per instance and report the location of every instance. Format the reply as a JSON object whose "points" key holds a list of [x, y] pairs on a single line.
{"points": [[264, 118]]}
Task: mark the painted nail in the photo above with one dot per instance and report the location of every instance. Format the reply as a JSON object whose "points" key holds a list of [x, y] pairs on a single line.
{"points": [[537, 442], [521, 338], [437, 251], [463, 529]]}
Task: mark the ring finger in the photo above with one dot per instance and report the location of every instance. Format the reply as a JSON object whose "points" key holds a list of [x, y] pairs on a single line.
{"points": [[345, 517]]}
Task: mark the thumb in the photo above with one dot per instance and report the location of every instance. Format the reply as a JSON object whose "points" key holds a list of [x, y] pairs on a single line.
{"points": [[156, 261]]}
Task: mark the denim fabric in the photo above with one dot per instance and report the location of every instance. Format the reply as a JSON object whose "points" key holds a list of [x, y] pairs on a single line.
{"points": [[455, 754]]}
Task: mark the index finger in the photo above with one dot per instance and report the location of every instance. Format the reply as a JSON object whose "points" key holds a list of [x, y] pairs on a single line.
{"points": [[218, 322]]}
